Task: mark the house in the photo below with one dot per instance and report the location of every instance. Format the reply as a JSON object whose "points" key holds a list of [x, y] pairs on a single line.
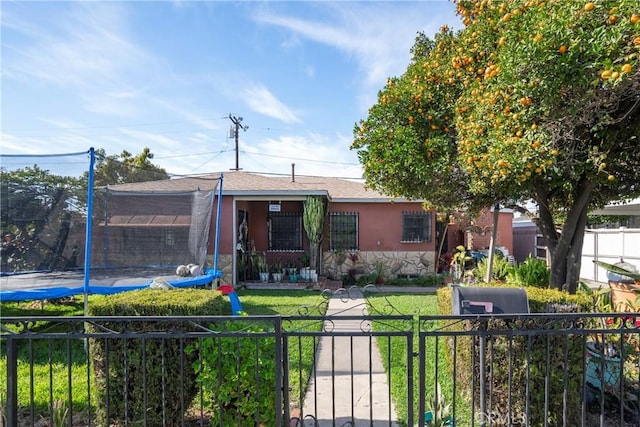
{"points": [[263, 215], [475, 234]]}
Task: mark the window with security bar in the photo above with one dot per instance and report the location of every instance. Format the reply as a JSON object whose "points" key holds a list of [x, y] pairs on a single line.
{"points": [[416, 226], [285, 231], [343, 231]]}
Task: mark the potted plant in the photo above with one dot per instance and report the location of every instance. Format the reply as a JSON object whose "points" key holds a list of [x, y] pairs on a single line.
{"points": [[304, 271], [379, 272], [624, 283], [260, 262], [605, 350], [276, 270], [292, 271]]}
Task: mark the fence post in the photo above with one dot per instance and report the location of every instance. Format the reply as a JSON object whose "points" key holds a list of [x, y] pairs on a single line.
{"points": [[12, 382], [279, 359]]}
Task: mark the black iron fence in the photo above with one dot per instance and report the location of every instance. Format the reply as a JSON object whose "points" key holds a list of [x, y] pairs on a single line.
{"points": [[474, 370]]}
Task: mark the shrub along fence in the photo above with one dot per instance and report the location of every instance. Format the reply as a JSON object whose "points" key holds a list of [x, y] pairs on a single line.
{"points": [[554, 369]]}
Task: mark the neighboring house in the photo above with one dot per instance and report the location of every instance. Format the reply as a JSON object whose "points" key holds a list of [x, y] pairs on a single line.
{"points": [[604, 244], [476, 234], [264, 214]]}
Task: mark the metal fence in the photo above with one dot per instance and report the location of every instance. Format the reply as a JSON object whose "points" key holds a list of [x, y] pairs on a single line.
{"points": [[539, 370]]}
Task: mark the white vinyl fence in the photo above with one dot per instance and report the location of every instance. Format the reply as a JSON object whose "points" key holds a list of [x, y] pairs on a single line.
{"points": [[609, 245]]}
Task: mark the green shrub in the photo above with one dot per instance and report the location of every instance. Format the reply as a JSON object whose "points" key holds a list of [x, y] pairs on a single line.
{"points": [[547, 363], [501, 268], [237, 374], [430, 280], [150, 379], [531, 272]]}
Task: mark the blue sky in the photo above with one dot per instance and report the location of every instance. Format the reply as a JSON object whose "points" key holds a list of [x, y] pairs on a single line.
{"points": [[166, 75]]}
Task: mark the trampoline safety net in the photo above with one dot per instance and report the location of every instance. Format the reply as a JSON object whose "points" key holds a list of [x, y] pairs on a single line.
{"points": [[155, 224]]}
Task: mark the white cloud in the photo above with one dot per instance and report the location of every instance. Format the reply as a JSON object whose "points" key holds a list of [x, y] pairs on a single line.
{"points": [[262, 101], [85, 47], [313, 154], [378, 35]]}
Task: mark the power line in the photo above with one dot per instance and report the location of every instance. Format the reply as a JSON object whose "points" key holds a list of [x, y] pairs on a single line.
{"points": [[301, 159], [58, 128]]}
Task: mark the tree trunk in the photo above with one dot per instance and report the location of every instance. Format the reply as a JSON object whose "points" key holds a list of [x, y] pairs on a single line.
{"points": [[565, 249]]}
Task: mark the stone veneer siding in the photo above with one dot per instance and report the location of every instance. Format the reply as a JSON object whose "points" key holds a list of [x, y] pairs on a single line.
{"points": [[338, 264]]}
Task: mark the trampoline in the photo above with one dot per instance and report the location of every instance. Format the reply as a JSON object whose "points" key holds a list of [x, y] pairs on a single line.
{"points": [[63, 235]]}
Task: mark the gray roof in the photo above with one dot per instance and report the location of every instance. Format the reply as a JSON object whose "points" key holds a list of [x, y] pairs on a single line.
{"points": [[240, 183]]}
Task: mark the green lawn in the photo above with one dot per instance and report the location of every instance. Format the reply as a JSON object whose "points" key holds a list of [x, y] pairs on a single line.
{"points": [[49, 359], [254, 302]]}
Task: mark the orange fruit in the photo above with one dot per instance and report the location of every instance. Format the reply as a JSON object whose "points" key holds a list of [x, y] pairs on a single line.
{"points": [[611, 178], [636, 41], [635, 18], [606, 75], [589, 6], [626, 68], [615, 75], [612, 19], [562, 50]]}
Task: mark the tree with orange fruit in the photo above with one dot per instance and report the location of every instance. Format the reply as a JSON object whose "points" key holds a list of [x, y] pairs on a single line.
{"points": [[532, 101]]}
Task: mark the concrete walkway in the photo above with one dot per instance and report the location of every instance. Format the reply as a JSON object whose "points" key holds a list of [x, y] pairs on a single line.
{"points": [[349, 385]]}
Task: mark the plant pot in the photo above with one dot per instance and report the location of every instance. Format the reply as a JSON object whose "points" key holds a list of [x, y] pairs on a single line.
{"points": [[264, 277], [277, 277], [601, 368], [293, 277], [624, 295]]}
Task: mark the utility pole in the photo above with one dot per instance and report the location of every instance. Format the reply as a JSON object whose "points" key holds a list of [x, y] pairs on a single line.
{"points": [[237, 125]]}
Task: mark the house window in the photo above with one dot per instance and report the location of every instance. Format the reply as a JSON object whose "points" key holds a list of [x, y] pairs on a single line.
{"points": [[344, 231], [285, 231], [541, 249], [416, 226]]}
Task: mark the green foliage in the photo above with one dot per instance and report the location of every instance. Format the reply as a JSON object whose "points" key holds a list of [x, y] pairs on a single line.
{"points": [[259, 262], [426, 280], [531, 272], [313, 216], [60, 413], [237, 374], [147, 379], [125, 168], [538, 104], [500, 271], [534, 360], [33, 203], [618, 270], [459, 262], [439, 414]]}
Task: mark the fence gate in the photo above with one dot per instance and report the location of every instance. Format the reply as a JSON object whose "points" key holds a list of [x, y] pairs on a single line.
{"points": [[346, 382]]}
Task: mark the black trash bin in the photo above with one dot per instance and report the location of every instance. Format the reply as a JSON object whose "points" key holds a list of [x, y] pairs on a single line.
{"points": [[477, 300]]}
